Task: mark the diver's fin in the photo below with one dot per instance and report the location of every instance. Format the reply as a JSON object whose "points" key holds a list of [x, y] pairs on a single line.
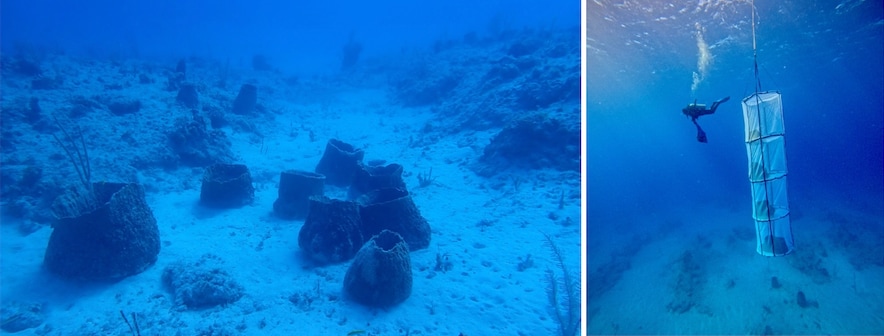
{"points": [[701, 136], [722, 100]]}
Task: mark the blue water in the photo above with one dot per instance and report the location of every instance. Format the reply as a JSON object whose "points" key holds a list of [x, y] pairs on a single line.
{"points": [[648, 177], [476, 103], [301, 36]]}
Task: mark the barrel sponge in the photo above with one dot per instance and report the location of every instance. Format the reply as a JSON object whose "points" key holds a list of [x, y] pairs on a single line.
{"points": [[393, 209], [227, 186], [295, 189], [331, 233], [373, 177], [116, 238], [380, 275], [339, 163]]}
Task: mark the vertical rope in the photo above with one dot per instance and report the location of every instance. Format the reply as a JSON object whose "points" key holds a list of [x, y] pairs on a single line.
{"points": [[760, 137], [755, 51], [753, 26]]}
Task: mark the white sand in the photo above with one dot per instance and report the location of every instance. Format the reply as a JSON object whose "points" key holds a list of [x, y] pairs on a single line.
{"points": [[484, 293], [638, 303]]}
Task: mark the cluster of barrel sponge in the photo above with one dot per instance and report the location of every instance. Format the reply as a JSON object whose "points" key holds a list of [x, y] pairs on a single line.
{"points": [[110, 233], [377, 225]]}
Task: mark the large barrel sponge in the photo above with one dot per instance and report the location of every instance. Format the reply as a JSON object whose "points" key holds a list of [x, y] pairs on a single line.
{"points": [[201, 284], [373, 177], [227, 186], [295, 189], [339, 163], [331, 232], [246, 100], [393, 209], [380, 275], [117, 238]]}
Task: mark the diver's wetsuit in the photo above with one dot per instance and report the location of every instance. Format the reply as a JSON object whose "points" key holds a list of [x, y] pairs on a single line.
{"points": [[695, 111]]}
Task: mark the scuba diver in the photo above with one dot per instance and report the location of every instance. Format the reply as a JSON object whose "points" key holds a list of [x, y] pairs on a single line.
{"points": [[695, 111]]}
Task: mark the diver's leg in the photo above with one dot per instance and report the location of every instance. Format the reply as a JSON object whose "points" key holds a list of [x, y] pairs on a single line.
{"points": [[718, 102]]}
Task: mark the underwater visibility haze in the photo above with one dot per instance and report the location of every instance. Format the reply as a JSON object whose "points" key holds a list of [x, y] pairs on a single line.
{"points": [[290, 168], [671, 231]]}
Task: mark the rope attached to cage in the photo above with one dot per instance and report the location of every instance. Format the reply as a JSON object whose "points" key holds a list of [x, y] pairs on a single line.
{"points": [[760, 138]]}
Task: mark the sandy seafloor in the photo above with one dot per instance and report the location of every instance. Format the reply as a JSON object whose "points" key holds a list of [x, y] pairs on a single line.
{"points": [[484, 293], [732, 291]]}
